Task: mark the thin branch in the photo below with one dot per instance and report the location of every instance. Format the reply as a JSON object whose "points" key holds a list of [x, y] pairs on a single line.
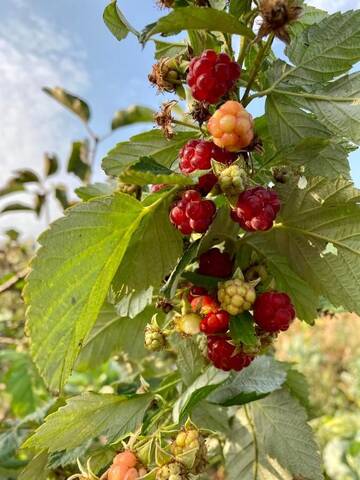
{"points": [[257, 64], [256, 446]]}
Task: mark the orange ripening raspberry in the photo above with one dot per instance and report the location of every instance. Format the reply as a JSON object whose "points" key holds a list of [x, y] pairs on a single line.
{"points": [[231, 127]]}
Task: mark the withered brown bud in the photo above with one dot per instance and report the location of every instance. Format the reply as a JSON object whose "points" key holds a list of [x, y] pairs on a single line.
{"points": [[276, 16], [165, 3], [164, 305], [164, 119], [164, 75], [200, 112]]}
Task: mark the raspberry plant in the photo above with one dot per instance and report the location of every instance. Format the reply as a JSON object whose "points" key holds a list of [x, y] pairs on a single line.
{"points": [[207, 277]]}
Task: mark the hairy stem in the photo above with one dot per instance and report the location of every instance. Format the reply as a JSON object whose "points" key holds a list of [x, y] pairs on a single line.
{"points": [[257, 64]]}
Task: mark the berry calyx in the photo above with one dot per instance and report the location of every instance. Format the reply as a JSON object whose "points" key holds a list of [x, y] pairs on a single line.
{"points": [[217, 322], [236, 296], [226, 356], [216, 263], [204, 304], [273, 311], [189, 324], [256, 209], [191, 213], [231, 127], [165, 75], [197, 155], [212, 75]]}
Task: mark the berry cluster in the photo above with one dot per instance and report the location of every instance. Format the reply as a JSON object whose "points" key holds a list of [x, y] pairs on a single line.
{"points": [[212, 75], [192, 213], [231, 127], [197, 155], [190, 440], [256, 209], [125, 467]]}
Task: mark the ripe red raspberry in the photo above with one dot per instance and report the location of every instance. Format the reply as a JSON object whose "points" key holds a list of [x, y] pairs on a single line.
{"points": [[256, 209], [215, 323], [205, 304], [216, 263], [191, 213], [197, 155], [212, 75], [224, 356], [273, 311], [206, 183]]}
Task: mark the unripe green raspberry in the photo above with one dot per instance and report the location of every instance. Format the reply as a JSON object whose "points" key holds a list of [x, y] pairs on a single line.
{"points": [[189, 440], [233, 180], [172, 471], [129, 188], [236, 296], [155, 340], [188, 324]]}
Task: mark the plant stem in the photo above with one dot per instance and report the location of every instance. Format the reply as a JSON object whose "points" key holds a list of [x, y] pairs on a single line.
{"points": [[310, 96], [257, 64], [185, 124], [256, 446]]}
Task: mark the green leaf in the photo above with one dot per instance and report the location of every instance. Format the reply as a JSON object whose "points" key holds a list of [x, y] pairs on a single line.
{"points": [[171, 284], [16, 207], [70, 101], [196, 18], [281, 424], [26, 176], [246, 457], [309, 16], [51, 164], [112, 335], [93, 190], [202, 280], [88, 416], [318, 234], [134, 303], [36, 468], [78, 162], [290, 125], [116, 22], [146, 170], [211, 417], [303, 296], [238, 7], [131, 115], [66, 289], [221, 229], [327, 49], [242, 329], [262, 376], [143, 264], [21, 380], [298, 386], [190, 360], [336, 106], [61, 196], [40, 201], [11, 187], [169, 49], [151, 143], [198, 391]]}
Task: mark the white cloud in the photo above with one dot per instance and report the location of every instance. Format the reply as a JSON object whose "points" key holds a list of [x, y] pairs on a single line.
{"points": [[35, 53], [335, 5]]}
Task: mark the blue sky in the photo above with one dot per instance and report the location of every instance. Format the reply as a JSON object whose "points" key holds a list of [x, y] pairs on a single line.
{"points": [[65, 43]]}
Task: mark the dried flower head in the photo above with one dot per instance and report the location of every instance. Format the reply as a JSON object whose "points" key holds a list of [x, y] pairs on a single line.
{"points": [[200, 112], [164, 119], [165, 75], [165, 3], [276, 16]]}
